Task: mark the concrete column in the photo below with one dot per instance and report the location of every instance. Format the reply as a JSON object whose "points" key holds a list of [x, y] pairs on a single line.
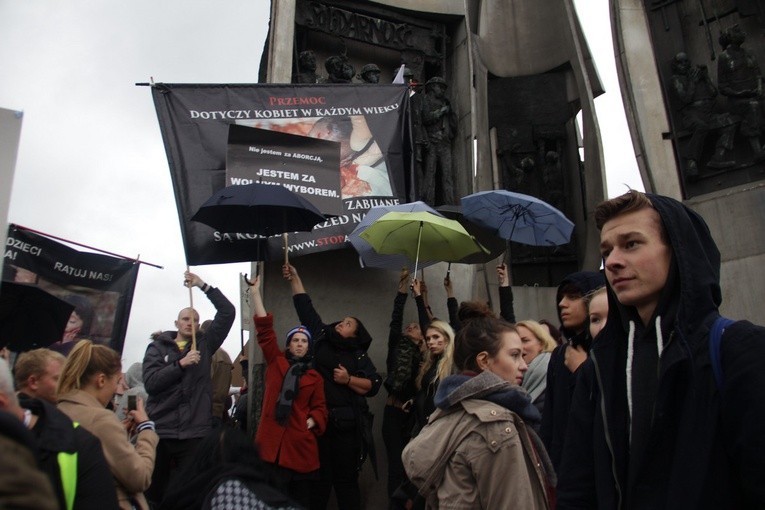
{"points": [[643, 98], [281, 37], [10, 133]]}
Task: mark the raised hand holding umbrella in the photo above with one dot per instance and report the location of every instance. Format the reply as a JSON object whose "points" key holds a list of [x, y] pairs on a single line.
{"points": [[263, 209]]}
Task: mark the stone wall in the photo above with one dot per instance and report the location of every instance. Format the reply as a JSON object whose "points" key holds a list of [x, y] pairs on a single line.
{"points": [[735, 218]]}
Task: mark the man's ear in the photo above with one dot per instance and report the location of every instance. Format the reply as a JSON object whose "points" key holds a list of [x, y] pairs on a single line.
{"points": [[31, 382], [482, 360]]}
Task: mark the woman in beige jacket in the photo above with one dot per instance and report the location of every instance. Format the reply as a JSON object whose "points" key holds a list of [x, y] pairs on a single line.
{"points": [[88, 382], [478, 450]]}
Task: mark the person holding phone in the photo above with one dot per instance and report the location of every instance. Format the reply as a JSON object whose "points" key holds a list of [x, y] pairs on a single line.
{"points": [[88, 382], [134, 381]]}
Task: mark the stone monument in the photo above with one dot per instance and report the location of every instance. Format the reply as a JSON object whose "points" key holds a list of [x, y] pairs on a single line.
{"points": [[686, 49], [439, 126], [370, 73]]}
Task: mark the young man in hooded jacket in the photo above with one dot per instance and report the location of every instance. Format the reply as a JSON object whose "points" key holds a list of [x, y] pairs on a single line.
{"points": [[649, 426], [566, 358]]}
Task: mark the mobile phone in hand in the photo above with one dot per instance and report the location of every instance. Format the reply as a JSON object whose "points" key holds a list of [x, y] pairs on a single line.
{"points": [[131, 403]]}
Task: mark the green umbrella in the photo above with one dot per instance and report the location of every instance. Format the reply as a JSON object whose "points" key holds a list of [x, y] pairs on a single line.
{"points": [[420, 235]]}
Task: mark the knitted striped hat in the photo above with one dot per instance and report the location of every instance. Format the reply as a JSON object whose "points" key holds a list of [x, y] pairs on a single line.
{"points": [[300, 329]]}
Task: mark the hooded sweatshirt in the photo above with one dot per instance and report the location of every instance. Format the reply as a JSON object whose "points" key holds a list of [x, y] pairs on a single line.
{"points": [[653, 430], [134, 382], [560, 380], [331, 350]]}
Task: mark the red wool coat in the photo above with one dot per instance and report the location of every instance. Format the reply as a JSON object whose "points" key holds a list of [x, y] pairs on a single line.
{"points": [[295, 446]]}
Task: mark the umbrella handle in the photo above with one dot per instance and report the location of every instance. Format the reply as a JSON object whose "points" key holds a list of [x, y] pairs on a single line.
{"points": [[417, 258], [448, 270], [286, 236], [191, 305]]}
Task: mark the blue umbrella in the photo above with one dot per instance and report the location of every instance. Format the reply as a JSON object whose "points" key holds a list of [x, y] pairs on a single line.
{"points": [[518, 217], [368, 257]]}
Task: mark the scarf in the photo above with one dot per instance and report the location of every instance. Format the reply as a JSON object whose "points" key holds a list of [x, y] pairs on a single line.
{"points": [[486, 386], [535, 378], [291, 385]]}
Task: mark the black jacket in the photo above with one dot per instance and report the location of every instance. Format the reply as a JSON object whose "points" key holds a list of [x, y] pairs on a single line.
{"points": [[404, 356], [180, 400], [330, 350], [560, 381], [55, 433], [23, 486], [705, 448]]}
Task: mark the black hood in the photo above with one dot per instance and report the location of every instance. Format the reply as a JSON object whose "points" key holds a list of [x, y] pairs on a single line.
{"points": [[362, 339], [693, 287], [585, 282]]}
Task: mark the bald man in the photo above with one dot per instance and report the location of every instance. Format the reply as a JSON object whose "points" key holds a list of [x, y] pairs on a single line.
{"points": [[177, 380]]}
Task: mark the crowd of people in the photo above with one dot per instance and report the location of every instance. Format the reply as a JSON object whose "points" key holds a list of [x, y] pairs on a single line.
{"points": [[642, 399]]}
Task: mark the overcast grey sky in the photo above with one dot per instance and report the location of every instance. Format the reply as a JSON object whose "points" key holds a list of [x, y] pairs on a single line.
{"points": [[91, 165]]}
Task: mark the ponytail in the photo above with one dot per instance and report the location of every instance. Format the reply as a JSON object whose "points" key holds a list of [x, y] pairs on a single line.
{"points": [[86, 360], [476, 336]]}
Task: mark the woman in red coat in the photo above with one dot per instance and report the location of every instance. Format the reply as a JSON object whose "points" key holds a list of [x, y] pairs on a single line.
{"points": [[294, 411]]}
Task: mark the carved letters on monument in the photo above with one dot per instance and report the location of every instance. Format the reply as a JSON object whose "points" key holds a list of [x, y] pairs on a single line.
{"points": [[352, 25]]}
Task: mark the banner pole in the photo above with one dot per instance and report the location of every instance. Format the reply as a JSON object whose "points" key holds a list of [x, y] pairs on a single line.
{"points": [[191, 305], [86, 246]]}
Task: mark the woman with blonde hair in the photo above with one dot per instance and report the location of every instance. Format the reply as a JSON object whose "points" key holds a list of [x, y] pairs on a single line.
{"points": [[437, 365], [88, 382], [537, 346]]}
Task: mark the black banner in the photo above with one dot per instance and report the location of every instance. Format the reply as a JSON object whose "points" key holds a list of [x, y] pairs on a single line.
{"points": [[368, 122], [99, 286]]}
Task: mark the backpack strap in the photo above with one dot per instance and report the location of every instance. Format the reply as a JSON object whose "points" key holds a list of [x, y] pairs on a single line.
{"points": [[715, 344]]}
